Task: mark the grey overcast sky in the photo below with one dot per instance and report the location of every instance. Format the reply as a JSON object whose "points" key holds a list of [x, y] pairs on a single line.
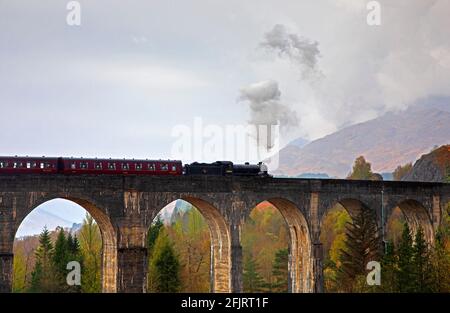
{"points": [[116, 85]]}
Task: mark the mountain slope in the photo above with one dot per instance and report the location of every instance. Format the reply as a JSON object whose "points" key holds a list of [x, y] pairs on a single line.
{"points": [[432, 167], [387, 141]]}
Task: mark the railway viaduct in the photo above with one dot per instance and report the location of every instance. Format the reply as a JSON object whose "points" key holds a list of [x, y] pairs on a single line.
{"points": [[124, 207]]}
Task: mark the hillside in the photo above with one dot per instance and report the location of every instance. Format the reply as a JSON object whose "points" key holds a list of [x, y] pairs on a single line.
{"points": [[386, 142], [433, 167]]}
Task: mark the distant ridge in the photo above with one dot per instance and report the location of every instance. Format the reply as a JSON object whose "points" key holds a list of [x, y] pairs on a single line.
{"points": [[388, 141]]}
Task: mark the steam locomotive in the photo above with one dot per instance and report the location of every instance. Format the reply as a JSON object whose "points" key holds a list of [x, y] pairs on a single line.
{"points": [[77, 166]]}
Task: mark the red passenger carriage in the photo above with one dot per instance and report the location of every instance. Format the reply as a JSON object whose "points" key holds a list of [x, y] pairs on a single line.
{"points": [[29, 165], [121, 166]]}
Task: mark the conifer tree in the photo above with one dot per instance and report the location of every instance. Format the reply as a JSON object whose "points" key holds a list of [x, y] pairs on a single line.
{"points": [[153, 233], [405, 274], [43, 278], [253, 281], [389, 269], [421, 264], [362, 245], [60, 258], [280, 271], [167, 269]]}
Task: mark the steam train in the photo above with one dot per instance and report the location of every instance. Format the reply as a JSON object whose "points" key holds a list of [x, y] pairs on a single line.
{"points": [[77, 166]]}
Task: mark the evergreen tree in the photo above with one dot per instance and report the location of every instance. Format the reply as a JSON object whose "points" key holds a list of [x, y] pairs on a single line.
{"points": [[421, 264], [60, 258], [153, 233], [362, 245], [405, 273], [253, 281], [75, 254], [167, 269], [389, 269], [280, 271], [43, 278]]}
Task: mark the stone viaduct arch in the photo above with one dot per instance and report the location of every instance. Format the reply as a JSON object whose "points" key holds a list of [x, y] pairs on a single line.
{"points": [[300, 265], [219, 235], [124, 207]]}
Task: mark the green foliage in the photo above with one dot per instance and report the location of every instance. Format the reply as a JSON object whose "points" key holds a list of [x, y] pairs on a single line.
{"points": [[90, 251], [20, 271], [167, 269], [43, 277], [263, 235], [389, 269], [253, 281], [280, 271], [361, 169], [60, 259], [421, 264], [153, 233], [405, 274]]}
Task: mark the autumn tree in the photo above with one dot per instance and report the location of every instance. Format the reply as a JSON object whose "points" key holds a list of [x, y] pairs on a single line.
{"points": [[401, 171], [90, 246], [20, 271], [440, 259], [333, 238], [191, 238], [362, 170]]}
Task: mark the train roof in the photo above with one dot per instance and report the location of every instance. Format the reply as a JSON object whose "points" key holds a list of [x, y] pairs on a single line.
{"points": [[85, 159], [119, 160], [28, 157]]}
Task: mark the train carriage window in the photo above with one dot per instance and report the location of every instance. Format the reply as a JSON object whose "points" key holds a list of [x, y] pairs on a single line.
{"points": [[138, 166], [125, 166], [83, 165], [174, 167], [98, 166], [34, 165], [41, 165], [164, 167], [73, 165], [17, 164], [151, 167], [28, 164], [3, 164], [111, 166], [48, 165]]}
